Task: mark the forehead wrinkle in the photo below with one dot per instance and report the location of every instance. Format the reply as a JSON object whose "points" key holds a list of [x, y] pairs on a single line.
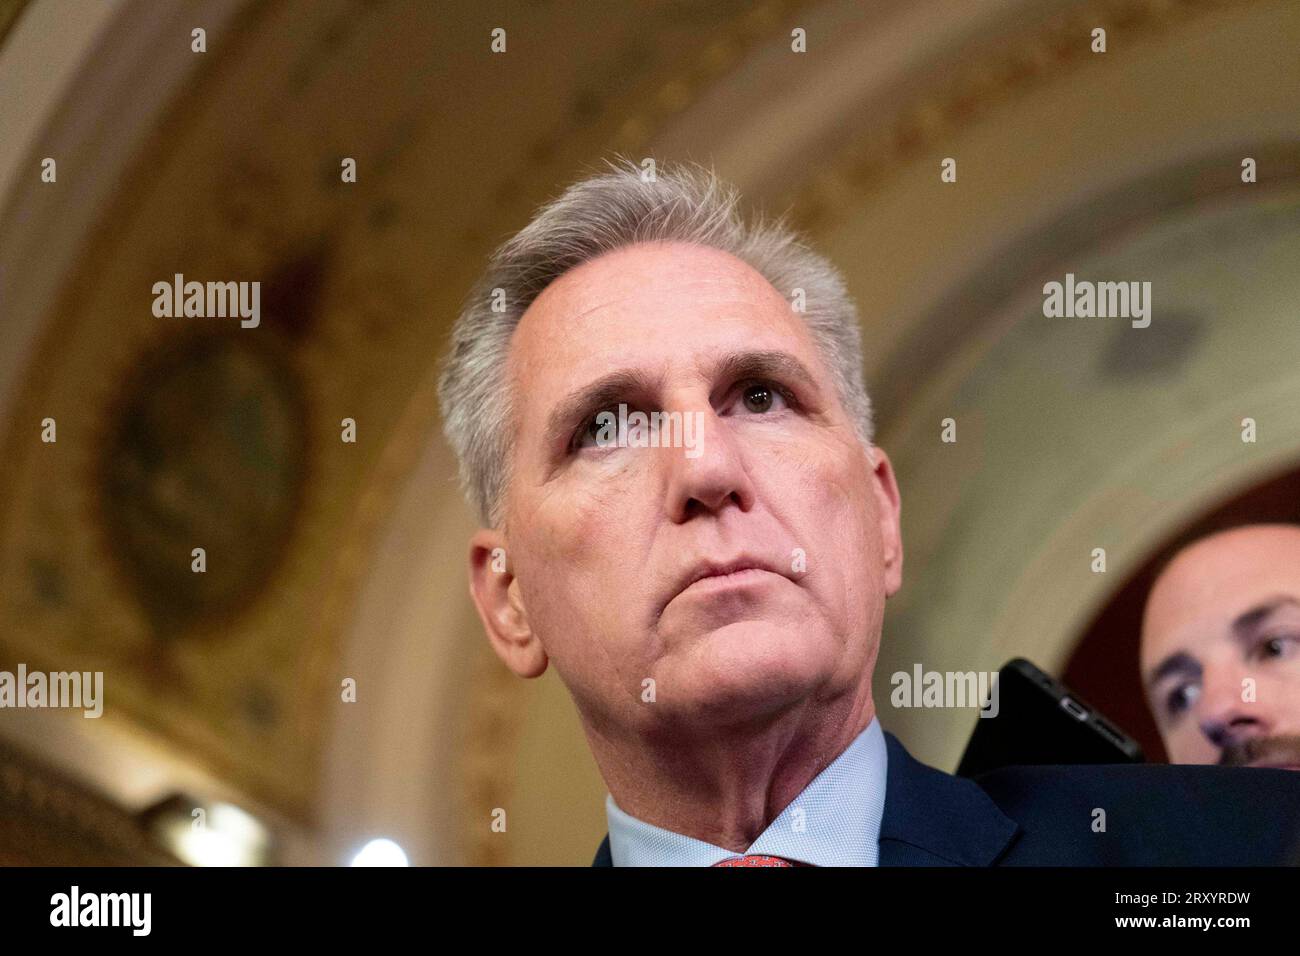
{"points": [[750, 300]]}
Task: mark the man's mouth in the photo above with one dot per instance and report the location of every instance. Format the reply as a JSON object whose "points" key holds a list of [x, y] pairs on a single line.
{"points": [[715, 573], [1280, 752]]}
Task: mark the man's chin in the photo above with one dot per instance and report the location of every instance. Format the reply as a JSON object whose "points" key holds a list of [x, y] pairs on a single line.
{"points": [[745, 670]]}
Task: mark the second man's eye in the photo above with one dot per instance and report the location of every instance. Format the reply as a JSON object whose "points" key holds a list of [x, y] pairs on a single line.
{"points": [[1277, 646], [1181, 698]]}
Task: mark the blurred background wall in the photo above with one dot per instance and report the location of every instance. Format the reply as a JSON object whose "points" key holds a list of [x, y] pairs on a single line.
{"points": [[331, 560]]}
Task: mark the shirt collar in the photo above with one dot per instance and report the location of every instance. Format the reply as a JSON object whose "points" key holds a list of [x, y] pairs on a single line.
{"points": [[835, 821]]}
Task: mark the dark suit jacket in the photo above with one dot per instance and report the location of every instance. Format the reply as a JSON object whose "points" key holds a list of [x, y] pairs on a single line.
{"points": [[1155, 815]]}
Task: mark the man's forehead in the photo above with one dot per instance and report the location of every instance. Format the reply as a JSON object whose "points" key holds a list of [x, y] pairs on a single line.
{"points": [[1209, 587], [627, 282], [611, 291], [1215, 568], [660, 311]]}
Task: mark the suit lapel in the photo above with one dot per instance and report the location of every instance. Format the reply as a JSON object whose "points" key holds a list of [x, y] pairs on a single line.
{"points": [[930, 819], [935, 819]]}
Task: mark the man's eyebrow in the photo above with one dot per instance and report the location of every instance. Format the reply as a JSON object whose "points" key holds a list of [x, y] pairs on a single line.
{"points": [[1249, 620], [763, 364], [605, 391], [1242, 627], [1179, 663]]}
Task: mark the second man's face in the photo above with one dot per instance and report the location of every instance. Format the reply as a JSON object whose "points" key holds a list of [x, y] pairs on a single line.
{"points": [[1221, 650]]}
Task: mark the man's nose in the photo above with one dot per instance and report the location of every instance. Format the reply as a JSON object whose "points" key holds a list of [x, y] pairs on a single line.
{"points": [[1224, 716], [715, 477]]}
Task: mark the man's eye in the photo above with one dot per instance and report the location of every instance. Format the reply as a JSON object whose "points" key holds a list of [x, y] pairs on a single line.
{"points": [[1278, 646], [589, 435], [1181, 698], [760, 397]]}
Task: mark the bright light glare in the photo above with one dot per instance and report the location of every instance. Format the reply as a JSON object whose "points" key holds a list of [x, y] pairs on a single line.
{"points": [[223, 835], [380, 852]]}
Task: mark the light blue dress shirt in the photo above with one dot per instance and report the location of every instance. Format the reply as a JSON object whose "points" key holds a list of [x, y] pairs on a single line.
{"points": [[835, 821]]}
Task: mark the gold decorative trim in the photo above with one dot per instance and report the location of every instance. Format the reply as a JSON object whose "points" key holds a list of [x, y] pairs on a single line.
{"points": [[1045, 53]]}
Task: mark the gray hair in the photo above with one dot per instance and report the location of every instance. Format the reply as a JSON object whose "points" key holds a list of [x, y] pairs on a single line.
{"points": [[608, 211]]}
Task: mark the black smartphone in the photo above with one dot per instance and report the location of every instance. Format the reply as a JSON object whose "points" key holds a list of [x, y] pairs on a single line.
{"points": [[1041, 721]]}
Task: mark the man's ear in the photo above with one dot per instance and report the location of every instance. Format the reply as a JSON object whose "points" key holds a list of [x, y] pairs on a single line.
{"points": [[496, 595], [890, 516]]}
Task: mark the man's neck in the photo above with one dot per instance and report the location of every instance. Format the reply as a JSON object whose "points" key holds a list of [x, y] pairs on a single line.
{"points": [[725, 787]]}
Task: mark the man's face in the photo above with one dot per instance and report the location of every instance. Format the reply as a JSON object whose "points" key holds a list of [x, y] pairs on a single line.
{"points": [[603, 541], [1221, 649]]}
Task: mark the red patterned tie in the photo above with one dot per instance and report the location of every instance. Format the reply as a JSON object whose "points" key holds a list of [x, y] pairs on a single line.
{"points": [[757, 859]]}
